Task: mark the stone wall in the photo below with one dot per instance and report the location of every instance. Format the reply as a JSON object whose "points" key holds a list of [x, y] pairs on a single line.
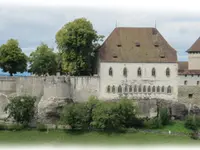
{"points": [[189, 95]]}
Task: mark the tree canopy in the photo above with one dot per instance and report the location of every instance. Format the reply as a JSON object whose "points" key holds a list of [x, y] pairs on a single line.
{"points": [[12, 59], [77, 42], [43, 61]]}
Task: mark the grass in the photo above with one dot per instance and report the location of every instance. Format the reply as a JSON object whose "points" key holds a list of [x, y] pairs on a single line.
{"points": [[62, 137], [176, 126]]}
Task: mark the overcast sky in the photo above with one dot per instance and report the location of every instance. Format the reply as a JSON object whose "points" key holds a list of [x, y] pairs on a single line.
{"points": [[36, 21]]}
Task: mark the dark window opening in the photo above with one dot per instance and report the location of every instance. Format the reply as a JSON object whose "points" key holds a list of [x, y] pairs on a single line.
{"points": [[110, 71], [190, 95], [185, 82], [139, 72], [119, 45], [125, 72], [115, 56]]}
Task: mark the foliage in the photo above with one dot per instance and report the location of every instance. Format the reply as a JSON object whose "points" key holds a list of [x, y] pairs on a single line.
{"points": [[21, 109], [164, 116], [77, 42], [127, 111], [43, 61], [106, 116], [75, 115], [41, 127], [15, 127], [190, 122], [12, 59], [3, 126], [194, 135]]}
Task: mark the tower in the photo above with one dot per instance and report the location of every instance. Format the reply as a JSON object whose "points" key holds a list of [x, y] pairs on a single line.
{"points": [[194, 56]]}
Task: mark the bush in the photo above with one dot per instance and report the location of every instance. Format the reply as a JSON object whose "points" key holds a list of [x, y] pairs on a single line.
{"points": [[41, 127], [3, 126], [127, 113], [21, 109], [190, 123], [164, 116], [75, 115], [194, 135], [106, 117], [15, 127]]}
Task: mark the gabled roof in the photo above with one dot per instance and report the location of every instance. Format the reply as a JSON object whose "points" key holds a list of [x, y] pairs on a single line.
{"points": [[136, 45], [195, 47]]}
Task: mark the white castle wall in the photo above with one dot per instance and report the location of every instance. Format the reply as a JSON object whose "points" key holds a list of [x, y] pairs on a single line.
{"points": [[145, 80]]}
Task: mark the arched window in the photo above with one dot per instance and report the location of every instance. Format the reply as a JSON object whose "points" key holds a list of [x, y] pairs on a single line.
{"points": [[135, 88], [140, 89], [125, 72], [139, 72], [144, 89], [130, 88], [169, 90], [163, 89], [153, 72], [110, 71], [153, 89], [149, 89], [158, 89], [197, 82], [167, 72], [108, 88], [185, 82], [113, 89], [126, 88], [120, 89]]}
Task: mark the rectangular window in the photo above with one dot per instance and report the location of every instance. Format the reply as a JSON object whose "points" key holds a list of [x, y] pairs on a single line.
{"points": [[190, 95]]}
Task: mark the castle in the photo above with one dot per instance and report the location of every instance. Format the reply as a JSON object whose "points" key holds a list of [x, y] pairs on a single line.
{"points": [[134, 62]]}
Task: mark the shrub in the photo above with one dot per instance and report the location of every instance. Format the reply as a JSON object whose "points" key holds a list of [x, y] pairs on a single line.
{"points": [[127, 114], [194, 135], [75, 115], [164, 116], [15, 127], [3, 126], [21, 109], [41, 127], [190, 123], [106, 117]]}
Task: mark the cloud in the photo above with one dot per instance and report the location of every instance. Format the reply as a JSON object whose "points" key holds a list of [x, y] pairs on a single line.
{"points": [[36, 21]]}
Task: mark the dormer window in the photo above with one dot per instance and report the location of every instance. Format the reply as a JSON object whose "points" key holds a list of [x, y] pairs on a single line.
{"points": [[114, 56], [119, 45], [137, 44], [156, 44]]}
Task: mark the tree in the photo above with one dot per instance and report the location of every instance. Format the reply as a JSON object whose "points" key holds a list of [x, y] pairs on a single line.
{"points": [[43, 61], [77, 42], [21, 109], [12, 59]]}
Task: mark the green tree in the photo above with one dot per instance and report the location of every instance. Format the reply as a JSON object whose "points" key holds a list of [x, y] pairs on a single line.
{"points": [[77, 42], [12, 59], [43, 60], [21, 109]]}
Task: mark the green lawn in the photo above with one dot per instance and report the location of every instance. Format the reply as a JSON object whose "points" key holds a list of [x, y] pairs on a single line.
{"points": [[61, 137], [176, 126]]}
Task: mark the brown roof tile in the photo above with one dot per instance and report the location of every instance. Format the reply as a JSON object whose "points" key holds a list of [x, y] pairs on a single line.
{"points": [[195, 47], [136, 45], [189, 72]]}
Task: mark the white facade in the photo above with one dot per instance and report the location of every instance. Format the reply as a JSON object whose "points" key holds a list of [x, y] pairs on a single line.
{"points": [[194, 61], [189, 80], [132, 82]]}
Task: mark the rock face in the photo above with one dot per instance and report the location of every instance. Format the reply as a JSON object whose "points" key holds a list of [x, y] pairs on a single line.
{"points": [[4, 102], [56, 95], [49, 109]]}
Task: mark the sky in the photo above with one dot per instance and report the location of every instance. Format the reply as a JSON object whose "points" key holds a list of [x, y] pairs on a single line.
{"points": [[36, 21]]}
